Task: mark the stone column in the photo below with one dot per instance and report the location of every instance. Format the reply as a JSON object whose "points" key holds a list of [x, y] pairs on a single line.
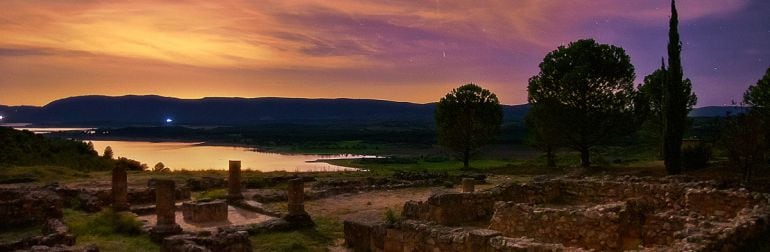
{"points": [[296, 199], [468, 185], [119, 189], [234, 181], [165, 210]]}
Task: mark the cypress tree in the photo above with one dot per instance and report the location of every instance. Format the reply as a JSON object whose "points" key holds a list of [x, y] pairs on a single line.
{"points": [[677, 99]]}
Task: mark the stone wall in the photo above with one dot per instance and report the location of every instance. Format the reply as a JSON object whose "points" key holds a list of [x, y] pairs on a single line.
{"points": [[24, 207], [419, 236], [603, 214]]}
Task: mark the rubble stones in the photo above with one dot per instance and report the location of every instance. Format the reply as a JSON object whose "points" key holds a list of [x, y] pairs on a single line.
{"points": [[220, 242], [569, 214]]}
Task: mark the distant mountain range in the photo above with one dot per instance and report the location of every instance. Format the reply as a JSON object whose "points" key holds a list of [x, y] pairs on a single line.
{"points": [[155, 110]]}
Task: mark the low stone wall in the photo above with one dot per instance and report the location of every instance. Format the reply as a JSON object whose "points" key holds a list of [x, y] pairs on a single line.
{"points": [[604, 227], [55, 233], [419, 236], [603, 214], [24, 207]]}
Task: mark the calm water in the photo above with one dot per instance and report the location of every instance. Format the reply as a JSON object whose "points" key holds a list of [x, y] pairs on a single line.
{"points": [[193, 156]]}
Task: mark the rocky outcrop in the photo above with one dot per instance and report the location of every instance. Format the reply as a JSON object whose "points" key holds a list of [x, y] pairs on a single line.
{"points": [[219, 242]]}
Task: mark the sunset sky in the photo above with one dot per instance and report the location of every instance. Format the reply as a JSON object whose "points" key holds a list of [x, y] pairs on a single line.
{"points": [[395, 50]]}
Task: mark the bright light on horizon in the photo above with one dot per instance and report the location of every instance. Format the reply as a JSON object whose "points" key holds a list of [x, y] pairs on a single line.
{"points": [[169, 120], [2, 117]]}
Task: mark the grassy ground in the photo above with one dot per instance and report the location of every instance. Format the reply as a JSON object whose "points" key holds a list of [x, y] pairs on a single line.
{"points": [[108, 230], [319, 238]]}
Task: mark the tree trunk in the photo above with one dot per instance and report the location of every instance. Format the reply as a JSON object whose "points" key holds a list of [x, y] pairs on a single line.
{"points": [[466, 158], [550, 157], [585, 158]]}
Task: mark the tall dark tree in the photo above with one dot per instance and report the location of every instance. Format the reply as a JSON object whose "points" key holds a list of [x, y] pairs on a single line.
{"points": [[677, 99], [758, 96], [467, 118], [544, 130], [587, 88]]}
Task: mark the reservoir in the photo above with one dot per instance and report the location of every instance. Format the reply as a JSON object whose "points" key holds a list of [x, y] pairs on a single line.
{"points": [[196, 156]]}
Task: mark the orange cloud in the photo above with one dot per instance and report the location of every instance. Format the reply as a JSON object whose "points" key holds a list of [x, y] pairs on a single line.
{"points": [[373, 49]]}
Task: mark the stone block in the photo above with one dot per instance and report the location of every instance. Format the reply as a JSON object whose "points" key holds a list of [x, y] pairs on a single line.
{"points": [[205, 211]]}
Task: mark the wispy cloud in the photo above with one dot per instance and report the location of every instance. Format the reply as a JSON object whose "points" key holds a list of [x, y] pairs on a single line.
{"points": [[297, 42]]}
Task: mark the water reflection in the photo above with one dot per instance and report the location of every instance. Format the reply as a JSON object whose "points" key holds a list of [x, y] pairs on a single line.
{"points": [[194, 156]]}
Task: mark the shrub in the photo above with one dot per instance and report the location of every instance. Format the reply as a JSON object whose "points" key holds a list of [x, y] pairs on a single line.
{"points": [[391, 217], [106, 222], [696, 157], [130, 164], [212, 195]]}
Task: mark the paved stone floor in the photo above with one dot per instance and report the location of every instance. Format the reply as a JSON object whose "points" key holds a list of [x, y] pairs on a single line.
{"points": [[236, 216]]}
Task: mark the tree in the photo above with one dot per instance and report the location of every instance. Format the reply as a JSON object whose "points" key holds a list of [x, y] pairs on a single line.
{"points": [[746, 143], [757, 97], [587, 88], [677, 99], [130, 164], [467, 118], [651, 96], [544, 131], [108, 154], [160, 167]]}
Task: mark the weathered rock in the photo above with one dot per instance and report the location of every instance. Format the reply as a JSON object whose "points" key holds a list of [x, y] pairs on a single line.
{"points": [[220, 241], [197, 211]]}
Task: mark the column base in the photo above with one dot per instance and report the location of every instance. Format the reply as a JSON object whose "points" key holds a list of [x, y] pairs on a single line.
{"points": [[158, 232]]}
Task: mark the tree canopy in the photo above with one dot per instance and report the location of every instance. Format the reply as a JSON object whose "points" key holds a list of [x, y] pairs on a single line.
{"points": [[467, 118], [589, 90], [758, 95]]}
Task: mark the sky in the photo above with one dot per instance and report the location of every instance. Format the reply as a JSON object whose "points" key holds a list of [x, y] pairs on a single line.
{"points": [[402, 50]]}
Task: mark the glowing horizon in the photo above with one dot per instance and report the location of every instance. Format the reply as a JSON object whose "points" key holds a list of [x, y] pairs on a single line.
{"points": [[403, 51]]}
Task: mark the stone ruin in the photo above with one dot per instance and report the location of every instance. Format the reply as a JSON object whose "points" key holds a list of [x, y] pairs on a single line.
{"points": [[566, 214], [205, 211]]}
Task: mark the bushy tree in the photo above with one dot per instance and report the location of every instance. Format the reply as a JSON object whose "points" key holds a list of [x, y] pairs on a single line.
{"points": [[108, 154], [651, 101], [757, 97], [160, 167], [745, 142], [587, 88], [467, 118], [544, 131], [130, 164], [677, 99]]}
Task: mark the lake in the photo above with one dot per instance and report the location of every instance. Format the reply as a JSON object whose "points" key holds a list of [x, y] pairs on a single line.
{"points": [[195, 156]]}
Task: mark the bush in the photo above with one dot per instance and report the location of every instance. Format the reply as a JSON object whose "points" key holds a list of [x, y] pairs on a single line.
{"points": [[391, 218], [212, 195], [130, 164], [696, 157], [106, 222]]}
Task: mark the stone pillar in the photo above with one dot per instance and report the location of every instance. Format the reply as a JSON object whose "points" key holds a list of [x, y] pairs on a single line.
{"points": [[468, 185], [119, 189], [165, 210], [296, 199], [234, 181]]}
